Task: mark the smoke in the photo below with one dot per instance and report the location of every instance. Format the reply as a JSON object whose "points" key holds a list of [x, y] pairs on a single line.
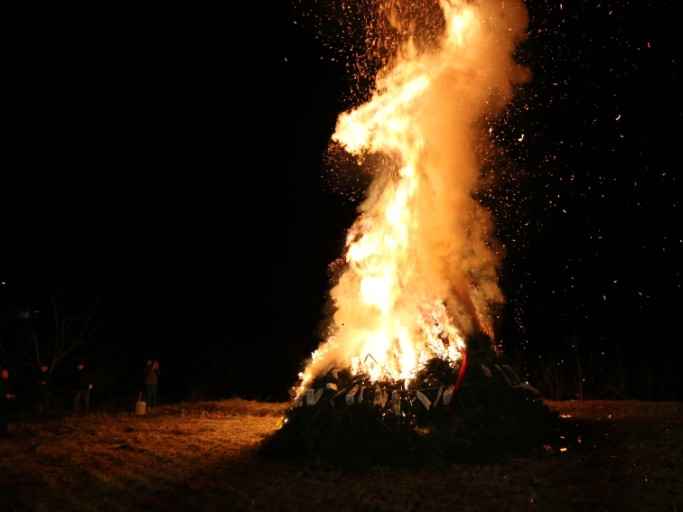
{"points": [[420, 259]]}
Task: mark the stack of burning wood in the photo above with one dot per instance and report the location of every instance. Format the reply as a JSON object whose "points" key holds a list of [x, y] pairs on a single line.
{"points": [[339, 388], [468, 410], [435, 386]]}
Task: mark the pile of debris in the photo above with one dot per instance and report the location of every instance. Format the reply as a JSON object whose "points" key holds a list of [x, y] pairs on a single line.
{"points": [[478, 409]]}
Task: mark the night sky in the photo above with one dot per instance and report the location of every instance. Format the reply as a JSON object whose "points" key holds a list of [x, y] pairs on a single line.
{"points": [[172, 167]]}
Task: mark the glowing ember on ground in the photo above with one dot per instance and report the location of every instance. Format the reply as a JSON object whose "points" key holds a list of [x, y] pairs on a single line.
{"points": [[421, 265]]}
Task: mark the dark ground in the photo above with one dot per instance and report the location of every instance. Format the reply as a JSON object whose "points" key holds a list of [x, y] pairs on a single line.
{"points": [[201, 456]]}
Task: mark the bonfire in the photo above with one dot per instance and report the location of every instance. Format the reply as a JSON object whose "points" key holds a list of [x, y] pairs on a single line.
{"points": [[410, 354]]}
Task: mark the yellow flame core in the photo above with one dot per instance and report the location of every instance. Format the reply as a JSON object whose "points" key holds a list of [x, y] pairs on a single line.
{"points": [[420, 273]]}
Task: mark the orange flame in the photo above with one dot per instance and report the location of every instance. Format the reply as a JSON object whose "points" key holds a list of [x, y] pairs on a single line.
{"points": [[421, 273]]}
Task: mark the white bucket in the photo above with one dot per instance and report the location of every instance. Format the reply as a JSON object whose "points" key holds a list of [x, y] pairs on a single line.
{"points": [[140, 407]]}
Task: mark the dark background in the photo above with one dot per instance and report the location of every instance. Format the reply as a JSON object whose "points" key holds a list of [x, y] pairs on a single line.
{"points": [[170, 167]]}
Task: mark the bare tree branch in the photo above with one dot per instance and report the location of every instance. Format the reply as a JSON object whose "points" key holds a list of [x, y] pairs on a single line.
{"points": [[70, 332], [59, 357]]}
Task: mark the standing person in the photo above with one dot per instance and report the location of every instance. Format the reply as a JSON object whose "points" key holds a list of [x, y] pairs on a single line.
{"points": [[151, 383], [83, 386], [5, 397]]}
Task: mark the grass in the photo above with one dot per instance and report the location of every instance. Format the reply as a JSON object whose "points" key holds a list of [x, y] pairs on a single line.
{"points": [[202, 456]]}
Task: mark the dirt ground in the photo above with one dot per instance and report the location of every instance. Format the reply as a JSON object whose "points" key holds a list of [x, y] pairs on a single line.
{"points": [[201, 456]]}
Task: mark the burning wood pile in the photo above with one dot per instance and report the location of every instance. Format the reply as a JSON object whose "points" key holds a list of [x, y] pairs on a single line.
{"points": [[477, 410], [404, 362]]}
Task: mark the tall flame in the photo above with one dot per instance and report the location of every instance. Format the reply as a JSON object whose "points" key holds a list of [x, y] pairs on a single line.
{"points": [[421, 273]]}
